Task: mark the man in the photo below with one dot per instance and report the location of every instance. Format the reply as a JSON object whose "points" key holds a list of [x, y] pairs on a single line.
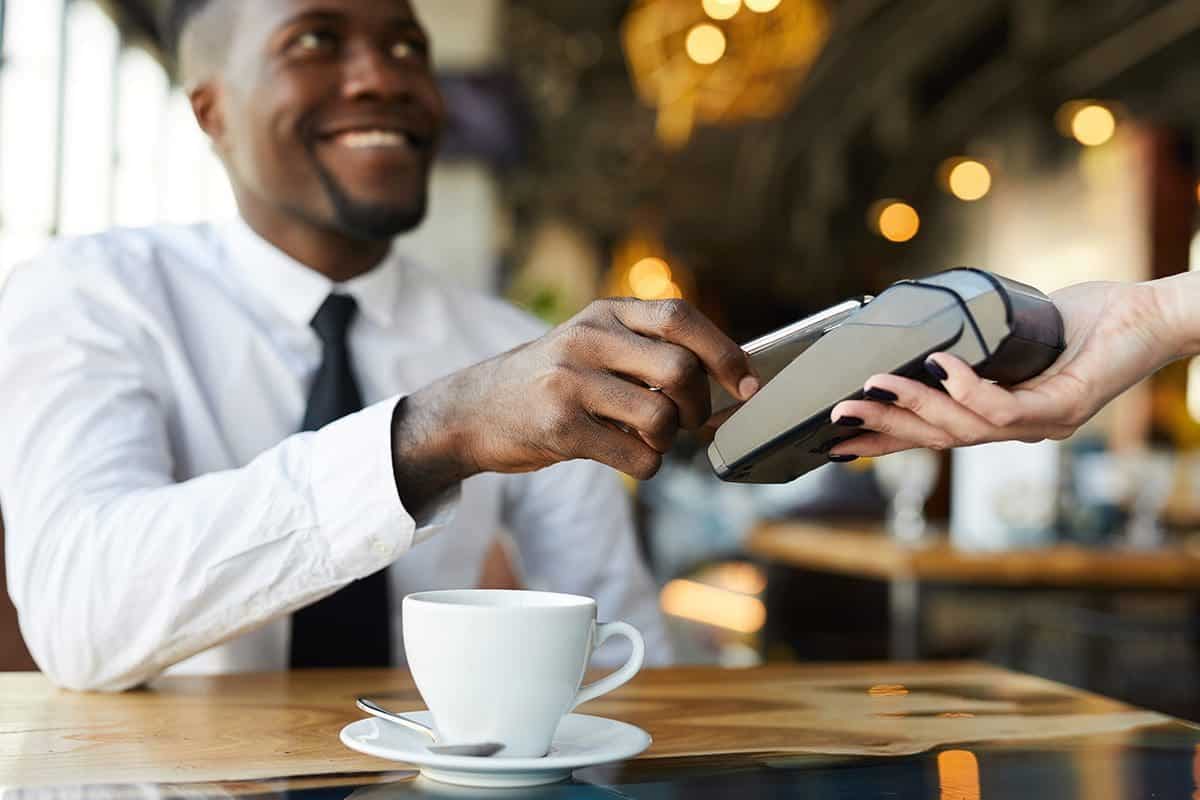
{"points": [[161, 505]]}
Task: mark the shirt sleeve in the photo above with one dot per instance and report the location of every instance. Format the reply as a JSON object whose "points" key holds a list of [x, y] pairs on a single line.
{"points": [[573, 526], [117, 570]]}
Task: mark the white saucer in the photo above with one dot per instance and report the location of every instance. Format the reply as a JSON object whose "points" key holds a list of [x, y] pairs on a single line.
{"points": [[581, 741]]}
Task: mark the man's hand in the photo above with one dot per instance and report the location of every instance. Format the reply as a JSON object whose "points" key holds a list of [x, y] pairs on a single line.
{"points": [[1116, 335], [614, 384]]}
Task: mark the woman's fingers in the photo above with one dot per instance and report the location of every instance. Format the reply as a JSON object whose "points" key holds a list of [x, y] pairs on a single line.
{"points": [[1049, 403], [917, 413], [871, 445], [909, 412], [899, 422], [993, 404]]}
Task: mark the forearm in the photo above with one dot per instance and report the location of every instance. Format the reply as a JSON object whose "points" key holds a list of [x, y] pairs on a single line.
{"points": [[1179, 298], [112, 591], [119, 573]]}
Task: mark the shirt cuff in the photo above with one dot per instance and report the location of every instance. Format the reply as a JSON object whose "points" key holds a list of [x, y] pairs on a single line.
{"points": [[359, 512]]}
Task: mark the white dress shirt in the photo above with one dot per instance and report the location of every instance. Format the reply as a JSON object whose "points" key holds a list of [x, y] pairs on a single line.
{"points": [[161, 510]]}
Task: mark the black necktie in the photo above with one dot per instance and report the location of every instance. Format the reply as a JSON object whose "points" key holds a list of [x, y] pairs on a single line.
{"points": [[352, 627]]}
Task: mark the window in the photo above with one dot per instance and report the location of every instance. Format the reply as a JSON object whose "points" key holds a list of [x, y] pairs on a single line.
{"points": [[92, 43], [91, 133], [29, 93], [195, 183], [143, 90]]}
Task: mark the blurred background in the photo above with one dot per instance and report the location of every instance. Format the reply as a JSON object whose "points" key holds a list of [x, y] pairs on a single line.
{"points": [[765, 159]]}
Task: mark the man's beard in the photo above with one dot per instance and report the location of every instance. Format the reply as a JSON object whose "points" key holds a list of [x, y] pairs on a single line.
{"points": [[370, 221]]}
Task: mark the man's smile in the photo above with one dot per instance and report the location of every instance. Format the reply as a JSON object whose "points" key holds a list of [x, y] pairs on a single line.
{"points": [[376, 142], [378, 131], [370, 139]]}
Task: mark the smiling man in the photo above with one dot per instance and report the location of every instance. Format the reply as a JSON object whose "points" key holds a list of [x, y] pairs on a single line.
{"points": [[238, 445]]}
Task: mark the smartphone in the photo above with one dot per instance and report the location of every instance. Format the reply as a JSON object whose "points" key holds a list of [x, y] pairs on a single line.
{"points": [[770, 354]]}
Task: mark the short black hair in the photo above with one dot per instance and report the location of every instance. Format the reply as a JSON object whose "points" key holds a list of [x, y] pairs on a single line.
{"points": [[175, 21]]}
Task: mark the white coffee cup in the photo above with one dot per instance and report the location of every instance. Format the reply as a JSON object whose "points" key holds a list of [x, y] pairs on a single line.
{"points": [[506, 666]]}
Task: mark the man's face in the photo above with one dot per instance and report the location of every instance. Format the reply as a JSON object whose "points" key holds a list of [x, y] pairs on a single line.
{"points": [[330, 113]]}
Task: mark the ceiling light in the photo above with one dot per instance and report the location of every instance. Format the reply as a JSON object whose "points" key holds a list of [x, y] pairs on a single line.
{"points": [[705, 43]]}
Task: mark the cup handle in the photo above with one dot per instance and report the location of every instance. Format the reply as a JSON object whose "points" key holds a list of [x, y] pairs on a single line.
{"points": [[604, 632]]}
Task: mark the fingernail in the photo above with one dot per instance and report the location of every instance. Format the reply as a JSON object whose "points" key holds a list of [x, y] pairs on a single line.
{"points": [[935, 369], [849, 422], [843, 459], [748, 386], [880, 395]]}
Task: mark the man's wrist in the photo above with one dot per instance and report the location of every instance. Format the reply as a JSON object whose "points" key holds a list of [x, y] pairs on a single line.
{"points": [[428, 452]]}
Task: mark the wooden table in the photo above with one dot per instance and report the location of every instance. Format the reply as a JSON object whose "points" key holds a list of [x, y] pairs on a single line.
{"points": [[254, 732], [868, 552]]}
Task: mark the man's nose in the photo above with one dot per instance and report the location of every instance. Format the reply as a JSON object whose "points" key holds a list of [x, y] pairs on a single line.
{"points": [[370, 71]]}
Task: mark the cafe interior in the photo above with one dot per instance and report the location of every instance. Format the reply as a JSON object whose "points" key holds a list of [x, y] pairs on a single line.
{"points": [[762, 160]]}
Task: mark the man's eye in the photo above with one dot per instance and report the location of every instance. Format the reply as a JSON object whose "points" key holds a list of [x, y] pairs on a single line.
{"points": [[313, 42], [402, 50]]}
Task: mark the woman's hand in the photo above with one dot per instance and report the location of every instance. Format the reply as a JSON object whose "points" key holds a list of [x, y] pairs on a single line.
{"points": [[1116, 334]]}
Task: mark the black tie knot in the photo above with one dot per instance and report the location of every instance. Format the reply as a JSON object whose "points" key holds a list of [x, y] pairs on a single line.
{"points": [[333, 318]]}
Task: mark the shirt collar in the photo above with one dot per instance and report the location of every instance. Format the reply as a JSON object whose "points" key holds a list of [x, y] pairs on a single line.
{"points": [[297, 291]]}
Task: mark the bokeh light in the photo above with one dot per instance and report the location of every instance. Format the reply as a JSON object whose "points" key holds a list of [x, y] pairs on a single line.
{"points": [[762, 6], [969, 180], [712, 605], [1093, 125], [651, 279], [898, 222], [705, 43], [958, 775], [722, 9]]}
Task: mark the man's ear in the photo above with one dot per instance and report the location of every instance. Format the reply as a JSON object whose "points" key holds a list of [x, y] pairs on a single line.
{"points": [[206, 99]]}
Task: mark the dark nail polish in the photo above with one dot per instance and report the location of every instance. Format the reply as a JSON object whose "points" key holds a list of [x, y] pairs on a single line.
{"points": [[935, 369], [843, 459], [850, 422], [880, 395]]}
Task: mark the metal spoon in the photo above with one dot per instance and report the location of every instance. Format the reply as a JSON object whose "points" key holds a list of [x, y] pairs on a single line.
{"points": [[479, 750]]}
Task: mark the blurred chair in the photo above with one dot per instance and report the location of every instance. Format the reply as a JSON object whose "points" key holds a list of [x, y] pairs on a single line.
{"points": [[14, 656]]}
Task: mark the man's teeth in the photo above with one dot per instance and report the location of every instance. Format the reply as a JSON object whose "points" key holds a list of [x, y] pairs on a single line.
{"points": [[360, 139]]}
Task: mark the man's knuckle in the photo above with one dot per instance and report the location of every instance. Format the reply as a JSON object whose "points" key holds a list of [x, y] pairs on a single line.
{"points": [[673, 314], [557, 382], [573, 339], [679, 369], [644, 464], [598, 310], [660, 417], [730, 360]]}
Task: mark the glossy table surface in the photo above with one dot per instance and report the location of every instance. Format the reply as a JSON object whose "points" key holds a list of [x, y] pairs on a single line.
{"points": [[868, 552], [931, 730]]}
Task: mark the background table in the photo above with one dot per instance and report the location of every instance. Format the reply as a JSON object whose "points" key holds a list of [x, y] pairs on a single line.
{"points": [[868, 552], [243, 733]]}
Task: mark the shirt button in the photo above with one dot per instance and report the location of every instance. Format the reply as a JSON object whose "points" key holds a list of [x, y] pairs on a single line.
{"points": [[381, 547]]}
